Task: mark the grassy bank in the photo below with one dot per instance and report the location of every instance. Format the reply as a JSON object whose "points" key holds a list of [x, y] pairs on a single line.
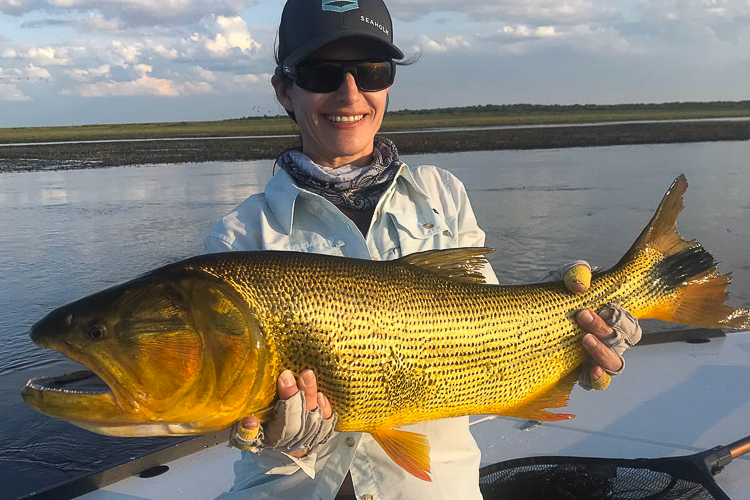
{"points": [[474, 116], [95, 155]]}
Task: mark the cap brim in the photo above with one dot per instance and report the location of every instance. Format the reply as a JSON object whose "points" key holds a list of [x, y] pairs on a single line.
{"points": [[313, 44]]}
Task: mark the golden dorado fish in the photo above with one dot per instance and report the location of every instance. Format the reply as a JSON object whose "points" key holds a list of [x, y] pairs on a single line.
{"points": [[197, 345]]}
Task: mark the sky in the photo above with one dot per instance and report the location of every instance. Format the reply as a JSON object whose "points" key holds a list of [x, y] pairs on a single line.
{"points": [[71, 62]]}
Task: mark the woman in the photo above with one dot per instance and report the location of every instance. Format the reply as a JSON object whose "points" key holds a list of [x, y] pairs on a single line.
{"points": [[347, 193]]}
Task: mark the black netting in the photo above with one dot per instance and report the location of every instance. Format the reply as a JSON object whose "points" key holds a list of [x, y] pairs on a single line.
{"points": [[570, 478]]}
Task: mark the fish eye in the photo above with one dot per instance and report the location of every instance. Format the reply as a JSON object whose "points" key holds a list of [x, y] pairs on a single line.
{"points": [[96, 332]]}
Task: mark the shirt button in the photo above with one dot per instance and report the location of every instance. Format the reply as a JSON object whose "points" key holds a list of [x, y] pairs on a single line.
{"points": [[428, 225], [446, 233], [350, 442], [367, 497]]}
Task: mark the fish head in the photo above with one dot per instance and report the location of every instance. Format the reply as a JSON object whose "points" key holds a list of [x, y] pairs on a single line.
{"points": [[171, 352]]}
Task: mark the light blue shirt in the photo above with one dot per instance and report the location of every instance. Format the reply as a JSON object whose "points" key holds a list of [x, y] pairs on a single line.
{"points": [[423, 209]]}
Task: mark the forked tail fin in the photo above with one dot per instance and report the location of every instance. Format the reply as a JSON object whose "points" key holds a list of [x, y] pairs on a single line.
{"points": [[688, 289]]}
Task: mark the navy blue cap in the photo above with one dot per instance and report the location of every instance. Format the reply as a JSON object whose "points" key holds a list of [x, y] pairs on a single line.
{"points": [[307, 25]]}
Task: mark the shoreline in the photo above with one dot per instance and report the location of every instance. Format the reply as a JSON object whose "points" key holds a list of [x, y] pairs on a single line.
{"points": [[61, 156]]}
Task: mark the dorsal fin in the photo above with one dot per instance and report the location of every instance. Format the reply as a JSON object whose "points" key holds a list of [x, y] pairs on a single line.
{"points": [[459, 264]]}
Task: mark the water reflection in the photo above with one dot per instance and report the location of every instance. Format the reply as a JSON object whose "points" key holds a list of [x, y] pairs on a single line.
{"points": [[70, 233]]}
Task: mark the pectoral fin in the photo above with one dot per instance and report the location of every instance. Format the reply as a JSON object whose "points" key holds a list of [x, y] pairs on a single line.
{"points": [[408, 449], [555, 397]]}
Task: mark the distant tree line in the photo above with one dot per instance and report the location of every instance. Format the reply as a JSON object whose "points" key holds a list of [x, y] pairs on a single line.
{"points": [[520, 109], [526, 109]]}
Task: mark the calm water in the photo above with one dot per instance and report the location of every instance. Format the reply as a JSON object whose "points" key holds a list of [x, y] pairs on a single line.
{"points": [[68, 234]]}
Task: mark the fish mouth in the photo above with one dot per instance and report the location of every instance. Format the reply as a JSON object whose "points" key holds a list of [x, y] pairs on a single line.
{"points": [[81, 398], [79, 382]]}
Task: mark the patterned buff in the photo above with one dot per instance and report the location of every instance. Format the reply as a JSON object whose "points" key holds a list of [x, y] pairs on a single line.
{"points": [[359, 188]]}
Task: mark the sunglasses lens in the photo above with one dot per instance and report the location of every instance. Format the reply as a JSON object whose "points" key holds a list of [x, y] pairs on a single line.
{"points": [[327, 76], [322, 77], [374, 76]]}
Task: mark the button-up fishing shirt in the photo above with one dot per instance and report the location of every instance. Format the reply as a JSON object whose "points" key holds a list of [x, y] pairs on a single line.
{"points": [[424, 208]]}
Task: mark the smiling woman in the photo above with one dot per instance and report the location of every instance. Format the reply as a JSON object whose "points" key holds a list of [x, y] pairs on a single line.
{"points": [[345, 192]]}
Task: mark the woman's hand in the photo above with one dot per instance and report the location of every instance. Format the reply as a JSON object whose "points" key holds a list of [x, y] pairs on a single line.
{"points": [[609, 334], [303, 417]]}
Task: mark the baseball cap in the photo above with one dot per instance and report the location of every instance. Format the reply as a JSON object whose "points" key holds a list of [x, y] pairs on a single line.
{"points": [[307, 25]]}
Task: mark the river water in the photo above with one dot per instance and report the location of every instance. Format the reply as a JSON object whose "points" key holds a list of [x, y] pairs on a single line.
{"points": [[70, 233]]}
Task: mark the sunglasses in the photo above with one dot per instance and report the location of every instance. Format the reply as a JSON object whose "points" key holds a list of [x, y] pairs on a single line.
{"points": [[324, 76]]}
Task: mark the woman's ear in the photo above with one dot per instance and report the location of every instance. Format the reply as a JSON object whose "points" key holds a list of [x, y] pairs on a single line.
{"points": [[283, 90]]}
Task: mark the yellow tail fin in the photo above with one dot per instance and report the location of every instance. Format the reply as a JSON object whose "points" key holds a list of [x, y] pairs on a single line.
{"points": [[691, 290]]}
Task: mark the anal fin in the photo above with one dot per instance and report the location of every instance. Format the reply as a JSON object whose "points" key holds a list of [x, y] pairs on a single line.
{"points": [[408, 449], [556, 397]]}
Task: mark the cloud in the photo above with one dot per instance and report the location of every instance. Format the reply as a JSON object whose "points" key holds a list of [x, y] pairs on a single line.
{"points": [[521, 39], [523, 32], [727, 19], [509, 11], [224, 81], [143, 85], [225, 34], [121, 53], [91, 74], [427, 45], [10, 92], [131, 12], [48, 56]]}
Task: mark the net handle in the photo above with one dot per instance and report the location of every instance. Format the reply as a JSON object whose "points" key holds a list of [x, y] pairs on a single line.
{"points": [[717, 458], [739, 447]]}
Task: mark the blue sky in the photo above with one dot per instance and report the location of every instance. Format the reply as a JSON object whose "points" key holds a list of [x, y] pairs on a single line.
{"points": [[108, 61]]}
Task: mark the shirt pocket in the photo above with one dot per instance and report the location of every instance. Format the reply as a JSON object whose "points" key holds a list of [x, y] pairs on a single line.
{"points": [[415, 235]]}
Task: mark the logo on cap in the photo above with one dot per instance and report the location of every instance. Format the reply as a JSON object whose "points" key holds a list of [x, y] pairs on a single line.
{"points": [[340, 5]]}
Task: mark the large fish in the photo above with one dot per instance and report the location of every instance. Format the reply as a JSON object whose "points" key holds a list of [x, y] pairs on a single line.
{"points": [[196, 345]]}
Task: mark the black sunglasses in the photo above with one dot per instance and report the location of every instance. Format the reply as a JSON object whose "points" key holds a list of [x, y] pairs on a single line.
{"points": [[324, 76]]}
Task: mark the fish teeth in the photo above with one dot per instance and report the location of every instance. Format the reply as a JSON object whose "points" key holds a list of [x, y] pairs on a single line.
{"points": [[345, 119]]}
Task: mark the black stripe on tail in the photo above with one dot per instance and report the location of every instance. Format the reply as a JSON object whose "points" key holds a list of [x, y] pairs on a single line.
{"points": [[675, 269]]}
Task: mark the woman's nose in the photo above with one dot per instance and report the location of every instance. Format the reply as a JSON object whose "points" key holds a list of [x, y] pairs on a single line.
{"points": [[348, 89]]}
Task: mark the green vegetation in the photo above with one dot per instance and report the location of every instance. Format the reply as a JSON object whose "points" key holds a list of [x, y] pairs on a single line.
{"points": [[471, 116], [271, 135]]}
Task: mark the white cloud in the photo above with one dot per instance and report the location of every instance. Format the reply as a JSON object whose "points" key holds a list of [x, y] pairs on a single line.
{"points": [[169, 53], [143, 85], [131, 12], [91, 74], [708, 12], [49, 56], [521, 31], [10, 92], [222, 81], [97, 22], [225, 34], [29, 73], [252, 79], [9, 53], [35, 72], [204, 74], [427, 45], [526, 11], [122, 53]]}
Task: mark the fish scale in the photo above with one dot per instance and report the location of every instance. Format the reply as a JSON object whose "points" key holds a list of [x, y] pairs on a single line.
{"points": [[394, 344]]}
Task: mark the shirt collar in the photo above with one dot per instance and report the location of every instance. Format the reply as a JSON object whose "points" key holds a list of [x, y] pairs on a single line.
{"points": [[282, 193]]}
